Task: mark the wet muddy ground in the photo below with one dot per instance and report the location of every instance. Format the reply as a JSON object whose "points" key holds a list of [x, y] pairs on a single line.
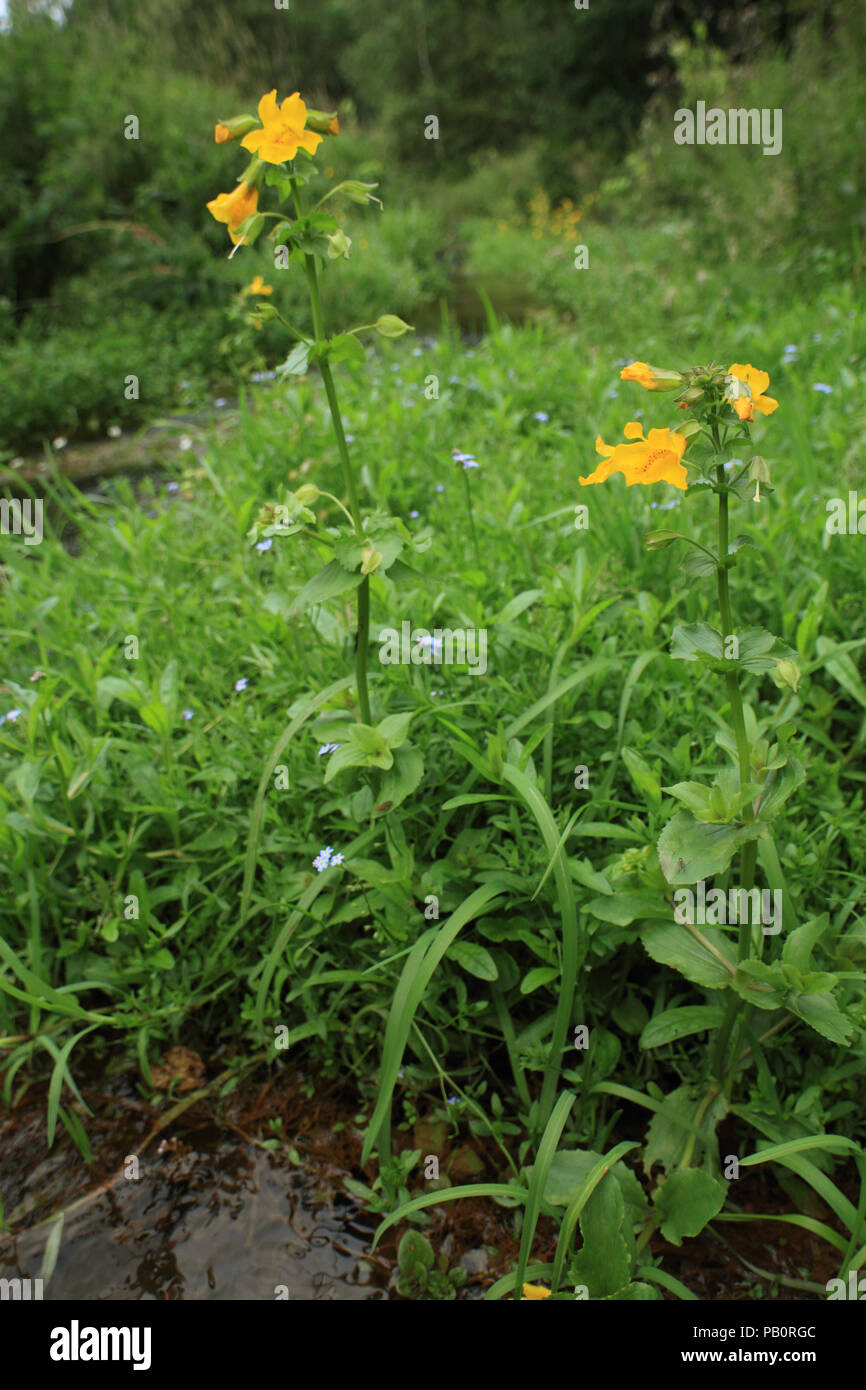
{"points": [[216, 1213]]}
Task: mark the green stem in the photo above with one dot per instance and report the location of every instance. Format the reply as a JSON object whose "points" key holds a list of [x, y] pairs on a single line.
{"points": [[362, 636], [736, 1008], [471, 518]]}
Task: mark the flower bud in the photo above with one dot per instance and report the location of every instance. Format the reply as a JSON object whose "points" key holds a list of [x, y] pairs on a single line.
{"points": [[338, 245], [234, 129], [357, 191], [689, 428], [391, 327], [787, 674], [324, 122], [371, 560], [759, 472], [651, 378], [307, 494]]}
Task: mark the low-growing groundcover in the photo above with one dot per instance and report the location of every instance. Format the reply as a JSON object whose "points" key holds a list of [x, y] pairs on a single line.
{"points": [[477, 917]]}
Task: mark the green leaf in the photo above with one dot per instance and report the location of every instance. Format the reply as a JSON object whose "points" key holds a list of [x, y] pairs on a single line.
{"points": [[760, 984], [673, 1024], [603, 1263], [691, 641], [690, 850], [841, 668], [697, 564], [538, 976], [645, 778], [402, 779], [780, 784], [660, 540], [623, 908], [297, 361], [686, 1201], [474, 959], [570, 1168], [328, 583], [698, 955], [822, 1013], [394, 728], [798, 945], [413, 1251], [345, 347]]}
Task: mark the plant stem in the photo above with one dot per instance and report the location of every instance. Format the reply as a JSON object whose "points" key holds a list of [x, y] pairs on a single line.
{"points": [[471, 518], [362, 636], [748, 857]]}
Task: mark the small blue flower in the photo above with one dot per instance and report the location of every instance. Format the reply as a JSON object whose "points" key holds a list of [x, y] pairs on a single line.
{"points": [[417, 352], [414, 515], [454, 381], [172, 487], [440, 487], [14, 714], [242, 683], [822, 387], [326, 858], [261, 546], [350, 439], [541, 415], [453, 1100], [327, 748], [220, 402], [188, 713], [612, 394]]}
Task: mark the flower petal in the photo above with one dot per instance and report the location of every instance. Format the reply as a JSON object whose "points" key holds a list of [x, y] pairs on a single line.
{"points": [[268, 112], [634, 430]]}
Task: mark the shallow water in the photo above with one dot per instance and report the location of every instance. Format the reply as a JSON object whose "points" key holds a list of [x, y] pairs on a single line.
{"points": [[223, 1220]]}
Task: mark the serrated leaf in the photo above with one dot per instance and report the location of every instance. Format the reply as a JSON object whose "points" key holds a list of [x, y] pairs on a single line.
{"points": [[690, 850], [297, 361], [691, 641], [700, 955], [822, 1013]]}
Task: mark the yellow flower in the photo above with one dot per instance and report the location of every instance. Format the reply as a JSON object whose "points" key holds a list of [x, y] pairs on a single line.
{"points": [[258, 286], [235, 207], [651, 378], [655, 459], [221, 133], [746, 402], [535, 1291], [282, 133]]}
